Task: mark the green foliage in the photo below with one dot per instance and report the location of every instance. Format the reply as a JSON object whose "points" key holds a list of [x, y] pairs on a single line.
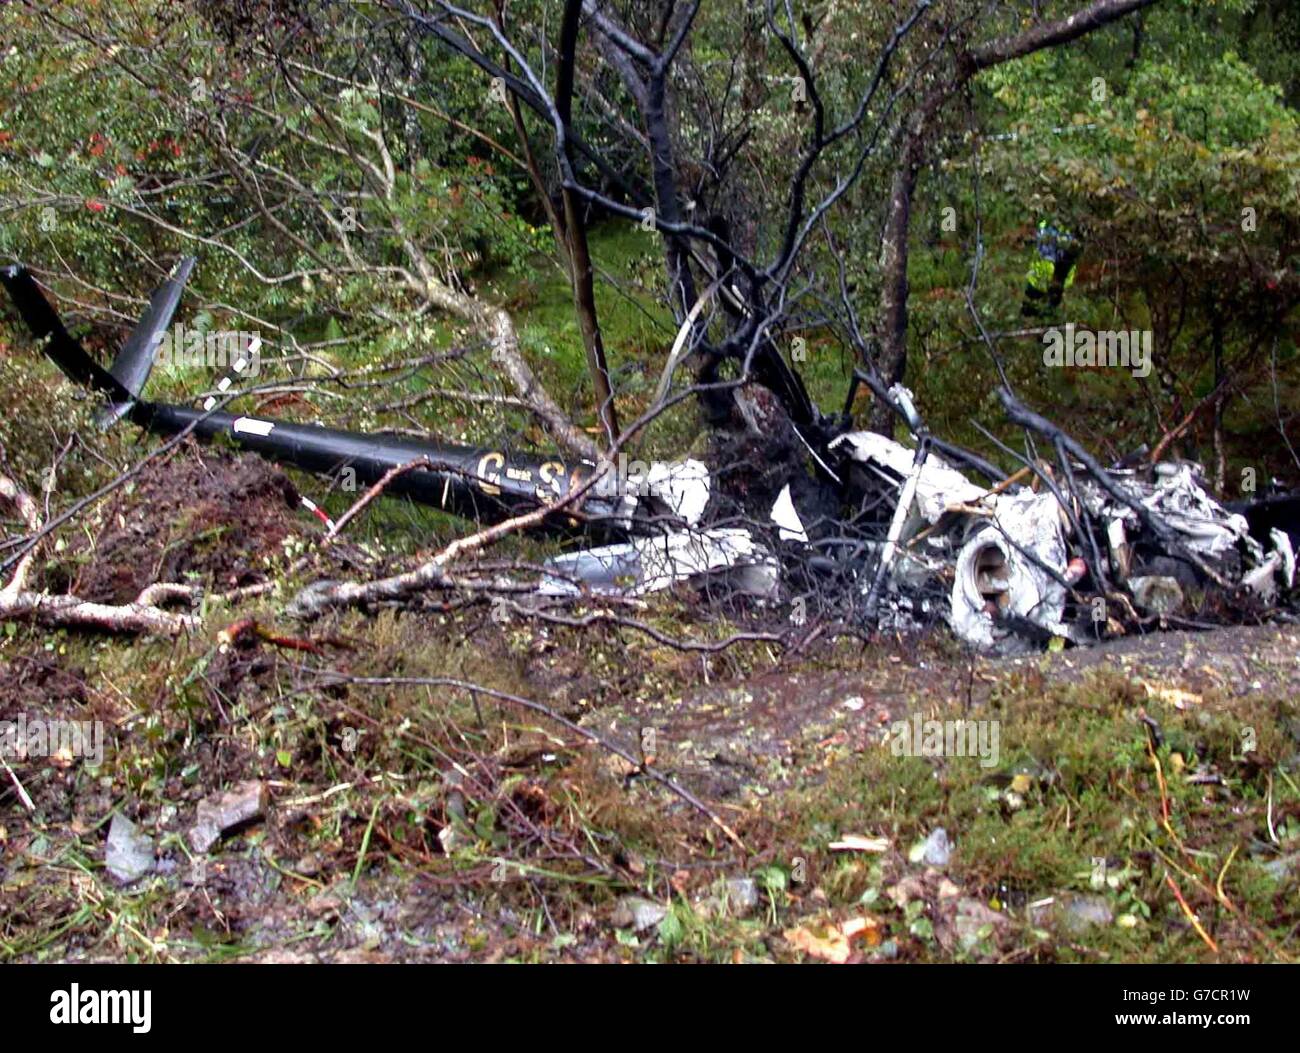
{"points": [[294, 191], [1177, 163]]}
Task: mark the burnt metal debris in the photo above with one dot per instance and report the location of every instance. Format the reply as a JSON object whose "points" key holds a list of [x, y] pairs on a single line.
{"points": [[798, 506]]}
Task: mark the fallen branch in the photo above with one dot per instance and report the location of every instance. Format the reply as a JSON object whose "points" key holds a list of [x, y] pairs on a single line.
{"points": [[69, 610], [1020, 414], [378, 488], [315, 598], [18, 786], [19, 602], [31, 513], [1191, 917], [248, 628], [1178, 429]]}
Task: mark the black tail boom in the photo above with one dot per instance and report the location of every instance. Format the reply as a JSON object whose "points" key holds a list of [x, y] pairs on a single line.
{"points": [[485, 484]]}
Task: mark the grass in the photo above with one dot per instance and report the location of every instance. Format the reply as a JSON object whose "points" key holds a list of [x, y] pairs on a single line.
{"points": [[1075, 781]]}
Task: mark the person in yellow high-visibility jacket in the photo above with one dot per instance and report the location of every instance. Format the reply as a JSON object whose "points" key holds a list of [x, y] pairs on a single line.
{"points": [[1052, 270]]}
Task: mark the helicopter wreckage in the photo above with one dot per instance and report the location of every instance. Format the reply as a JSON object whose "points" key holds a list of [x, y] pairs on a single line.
{"points": [[901, 534]]}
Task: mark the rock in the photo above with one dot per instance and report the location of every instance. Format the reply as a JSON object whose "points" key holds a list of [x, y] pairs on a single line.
{"points": [[972, 919], [224, 811], [1157, 594], [129, 855], [1080, 911], [1074, 912], [937, 849], [741, 895], [638, 913]]}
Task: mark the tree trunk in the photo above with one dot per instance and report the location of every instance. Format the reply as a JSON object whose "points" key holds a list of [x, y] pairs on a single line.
{"points": [[575, 231], [892, 355]]}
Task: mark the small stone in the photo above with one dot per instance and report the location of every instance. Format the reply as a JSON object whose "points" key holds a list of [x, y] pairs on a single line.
{"points": [[741, 895], [1083, 911], [1279, 869], [937, 849], [129, 855], [224, 811], [638, 914], [1074, 912], [975, 921]]}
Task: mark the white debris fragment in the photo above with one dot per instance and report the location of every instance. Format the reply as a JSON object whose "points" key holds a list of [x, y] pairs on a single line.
{"points": [[685, 554], [1262, 580], [253, 426], [1117, 541], [939, 485], [787, 519], [611, 569], [1207, 528], [683, 487], [1006, 551], [1282, 546], [649, 564], [994, 575]]}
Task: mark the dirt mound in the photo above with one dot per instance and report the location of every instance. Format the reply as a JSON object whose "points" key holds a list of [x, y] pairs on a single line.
{"points": [[203, 516], [31, 683]]}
